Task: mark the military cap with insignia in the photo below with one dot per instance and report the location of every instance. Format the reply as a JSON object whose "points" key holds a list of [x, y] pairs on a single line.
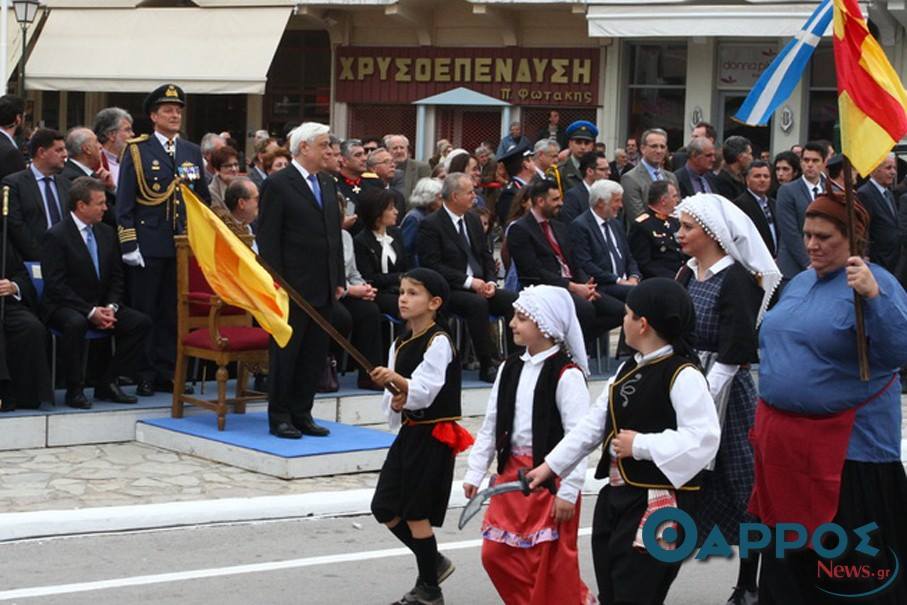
{"points": [[165, 93], [513, 158], [582, 129]]}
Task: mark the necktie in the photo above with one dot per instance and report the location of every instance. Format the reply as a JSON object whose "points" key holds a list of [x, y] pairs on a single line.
{"points": [[889, 197], [815, 192], [92, 244], [170, 148], [53, 207], [616, 258], [703, 185], [470, 257], [316, 189], [657, 174], [546, 229]]}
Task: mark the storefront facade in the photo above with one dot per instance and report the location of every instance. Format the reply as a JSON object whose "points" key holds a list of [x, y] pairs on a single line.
{"points": [[363, 64]]}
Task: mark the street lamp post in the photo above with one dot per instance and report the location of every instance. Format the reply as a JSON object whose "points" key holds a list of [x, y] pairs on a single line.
{"points": [[26, 11]]}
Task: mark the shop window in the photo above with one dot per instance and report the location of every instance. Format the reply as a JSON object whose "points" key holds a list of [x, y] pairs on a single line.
{"points": [[299, 81], [50, 109], [75, 109], [823, 96], [657, 89]]}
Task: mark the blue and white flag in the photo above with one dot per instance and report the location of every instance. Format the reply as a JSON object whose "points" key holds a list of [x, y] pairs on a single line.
{"points": [[780, 78]]}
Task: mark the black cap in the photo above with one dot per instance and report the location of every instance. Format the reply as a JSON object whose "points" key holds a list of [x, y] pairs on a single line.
{"points": [[165, 93], [513, 158], [433, 281]]}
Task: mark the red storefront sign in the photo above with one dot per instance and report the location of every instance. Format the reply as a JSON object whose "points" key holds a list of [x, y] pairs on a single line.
{"points": [[522, 76]]}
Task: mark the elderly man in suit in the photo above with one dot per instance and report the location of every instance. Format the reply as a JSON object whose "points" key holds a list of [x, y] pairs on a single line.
{"points": [[84, 154], [38, 194], [793, 199], [299, 236], [650, 169], [113, 127], [594, 167], [12, 109], [758, 205], [600, 247], [452, 242], [408, 170], [542, 250], [696, 175], [878, 199], [84, 288]]}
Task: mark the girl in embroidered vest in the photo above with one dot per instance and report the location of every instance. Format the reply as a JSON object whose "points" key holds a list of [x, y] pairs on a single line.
{"points": [[414, 485], [731, 278], [529, 549], [660, 429]]}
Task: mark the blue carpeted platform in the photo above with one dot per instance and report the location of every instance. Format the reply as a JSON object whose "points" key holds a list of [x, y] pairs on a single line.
{"points": [[250, 431]]}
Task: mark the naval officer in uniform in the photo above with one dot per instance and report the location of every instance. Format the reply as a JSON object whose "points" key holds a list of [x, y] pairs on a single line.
{"points": [[150, 212]]}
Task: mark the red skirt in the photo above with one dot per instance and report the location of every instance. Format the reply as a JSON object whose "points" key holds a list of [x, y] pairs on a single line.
{"points": [[530, 559]]}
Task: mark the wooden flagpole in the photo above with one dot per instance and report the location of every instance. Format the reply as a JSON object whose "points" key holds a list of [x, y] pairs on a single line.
{"points": [[862, 344]]}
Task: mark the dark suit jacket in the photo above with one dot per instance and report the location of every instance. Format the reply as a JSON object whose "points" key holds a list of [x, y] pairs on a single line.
{"points": [[299, 239], [685, 182], [576, 201], [11, 158], [71, 172], [884, 240], [368, 259], [902, 233], [728, 186], [69, 277], [27, 218], [590, 250], [441, 247], [535, 261], [408, 175], [793, 199], [751, 207]]}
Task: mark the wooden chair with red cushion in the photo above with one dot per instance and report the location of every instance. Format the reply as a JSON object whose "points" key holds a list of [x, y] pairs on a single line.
{"points": [[210, 330]]}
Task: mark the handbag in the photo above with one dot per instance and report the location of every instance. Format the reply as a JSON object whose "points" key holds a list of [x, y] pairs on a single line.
{"points": [[328, 383]]}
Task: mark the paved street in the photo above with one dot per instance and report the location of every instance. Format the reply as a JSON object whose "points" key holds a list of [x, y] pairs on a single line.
{"points": [[284, 562]]}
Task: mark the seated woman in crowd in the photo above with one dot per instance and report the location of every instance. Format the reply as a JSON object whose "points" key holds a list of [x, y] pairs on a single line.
{"points": [[425, 199], [380, 255], [226, 168]]}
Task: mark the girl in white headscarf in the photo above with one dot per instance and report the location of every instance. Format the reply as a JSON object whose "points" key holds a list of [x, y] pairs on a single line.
{"points": [[538, 396], [731, 278]]}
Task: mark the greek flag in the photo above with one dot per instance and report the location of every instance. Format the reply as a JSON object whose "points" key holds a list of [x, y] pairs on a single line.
{"points": [[780, 78]]}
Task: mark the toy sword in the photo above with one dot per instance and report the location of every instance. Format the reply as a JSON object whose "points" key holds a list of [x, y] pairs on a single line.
{"points": [[475, 503]]}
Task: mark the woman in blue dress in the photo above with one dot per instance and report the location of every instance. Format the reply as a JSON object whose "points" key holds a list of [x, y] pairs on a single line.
{"points": [[730, 277]]}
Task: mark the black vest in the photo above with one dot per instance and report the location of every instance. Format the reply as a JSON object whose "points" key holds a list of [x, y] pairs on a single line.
{"points": [[640, 400], [408, 353], [547, 428]]}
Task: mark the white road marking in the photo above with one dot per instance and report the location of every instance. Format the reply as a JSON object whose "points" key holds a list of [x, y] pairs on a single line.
{"points": [[182, 576]]}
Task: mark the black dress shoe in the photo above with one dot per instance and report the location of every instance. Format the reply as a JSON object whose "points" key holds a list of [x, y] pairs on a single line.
{"points": [[308, 427], [166, 386], [78, 400], [113, 392], [285, 430], [145, 388]]}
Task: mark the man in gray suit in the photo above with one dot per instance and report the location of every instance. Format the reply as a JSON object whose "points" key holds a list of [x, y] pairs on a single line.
{"points": [[409, 171], [650, 169], [793, 198]]}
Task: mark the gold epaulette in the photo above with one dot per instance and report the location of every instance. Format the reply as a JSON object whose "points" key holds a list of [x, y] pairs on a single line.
{"points": [[139, 139], [126, 235], [642, 217], [370, 175]]}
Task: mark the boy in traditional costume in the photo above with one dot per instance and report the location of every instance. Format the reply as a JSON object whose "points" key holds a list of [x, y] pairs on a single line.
{"points": [[414, 485], [660, 430], [529, 549]]}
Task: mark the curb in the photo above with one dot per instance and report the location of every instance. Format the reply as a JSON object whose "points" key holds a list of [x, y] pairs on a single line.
{"points": [[315, 505]]}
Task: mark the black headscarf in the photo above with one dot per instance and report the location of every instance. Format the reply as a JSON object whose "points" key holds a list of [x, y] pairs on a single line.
{"points": [[667, 307]]}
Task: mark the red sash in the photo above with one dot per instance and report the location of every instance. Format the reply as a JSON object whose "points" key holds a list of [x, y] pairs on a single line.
{"points": [[798, 464]]}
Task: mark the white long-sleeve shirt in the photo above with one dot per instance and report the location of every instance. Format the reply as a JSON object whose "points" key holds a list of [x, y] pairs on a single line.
{"points": [[426, 381], [678, 453], [572, 399]]}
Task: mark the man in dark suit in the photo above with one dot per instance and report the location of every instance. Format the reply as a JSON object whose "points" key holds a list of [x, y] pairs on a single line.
{"points": [[452, 242], [24, 372], [299, 236], [793, 199], [594, 167], [407, 171], [696, 175], [83, 288], [150, 212], [876, 196], [738, 154], [757, 204], [11, 159], [600, 247], [653, 235], [38, 194], [542, 251], [84, 159]]}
